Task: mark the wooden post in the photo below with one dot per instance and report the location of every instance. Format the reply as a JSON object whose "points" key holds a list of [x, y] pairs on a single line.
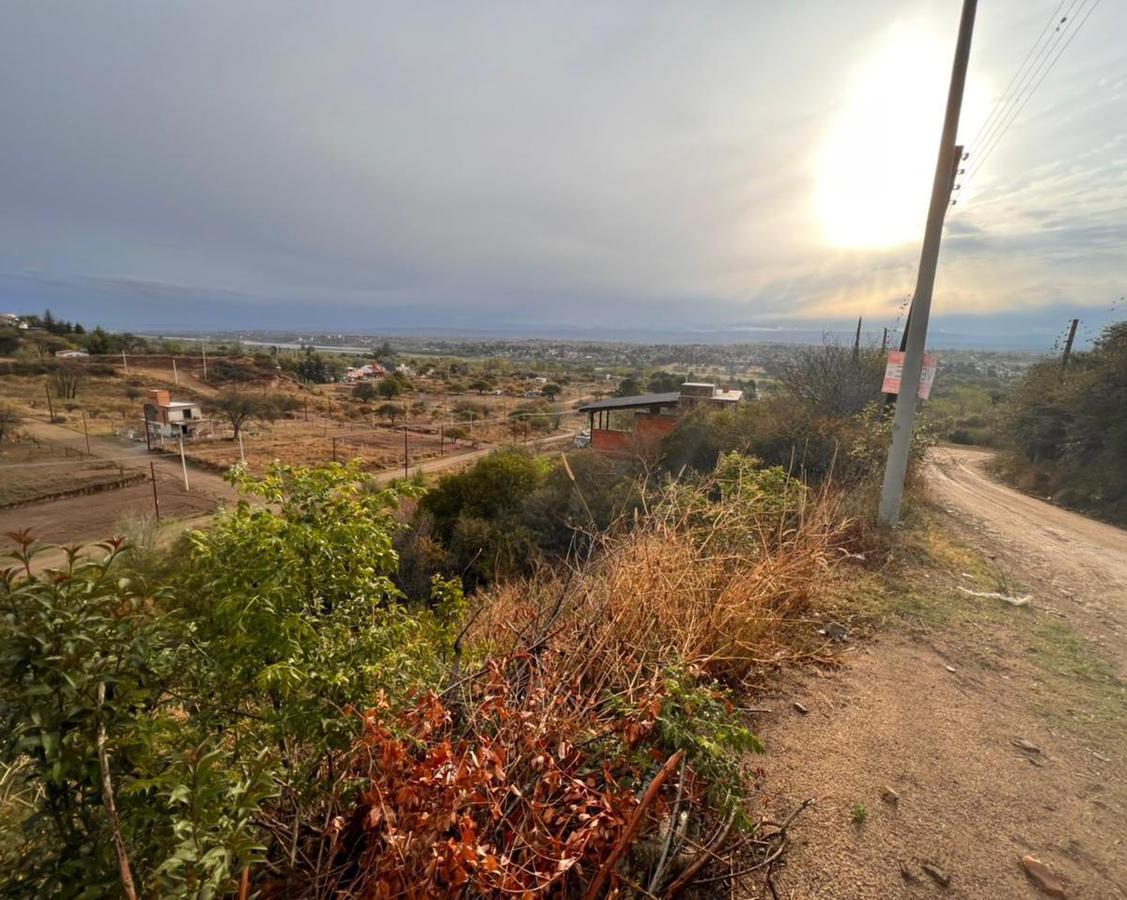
{"points": [[125, 362], [405, 472], [50, 405], [334, 449], [86, 432], [175, 374], [242, 454], [441, 441], [156, 500]]}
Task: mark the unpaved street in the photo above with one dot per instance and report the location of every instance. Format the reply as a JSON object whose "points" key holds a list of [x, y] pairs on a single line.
{"points": [[1000, 729]]}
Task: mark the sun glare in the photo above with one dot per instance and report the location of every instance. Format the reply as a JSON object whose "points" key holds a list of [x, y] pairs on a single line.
{"points": [[877, 161]]}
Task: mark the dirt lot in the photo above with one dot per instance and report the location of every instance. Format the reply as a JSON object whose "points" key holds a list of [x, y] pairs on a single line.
{"points": [[93, 517], [312, 443], [34, 470], [973, 732]]}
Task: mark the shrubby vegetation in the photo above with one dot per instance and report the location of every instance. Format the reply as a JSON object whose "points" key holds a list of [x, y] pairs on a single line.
{"points": [[509, 682], [1069, 427]]}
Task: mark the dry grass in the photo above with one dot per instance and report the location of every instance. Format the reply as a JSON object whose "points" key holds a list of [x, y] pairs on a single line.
{"points": [[718, 587]]}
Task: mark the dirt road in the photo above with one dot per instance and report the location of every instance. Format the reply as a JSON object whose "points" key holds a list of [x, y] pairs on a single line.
{"points": [[971, 732]]}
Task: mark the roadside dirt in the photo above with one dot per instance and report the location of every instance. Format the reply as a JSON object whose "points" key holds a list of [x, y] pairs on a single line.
{"points": [[935, 709]]}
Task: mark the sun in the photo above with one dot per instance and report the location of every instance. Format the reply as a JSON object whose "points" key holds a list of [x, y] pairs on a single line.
{"points": [[876, 164]]}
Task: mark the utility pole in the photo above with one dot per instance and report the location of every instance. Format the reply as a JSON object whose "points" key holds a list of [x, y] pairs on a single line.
{"points": [[175, 374], [1068, 345], [857, 341], [125, 362], [242, 453], [50, 405], [884, 341], [204, 346], [183, 462], [86, 432], [156, 500], [946, 166], [406, 474]]}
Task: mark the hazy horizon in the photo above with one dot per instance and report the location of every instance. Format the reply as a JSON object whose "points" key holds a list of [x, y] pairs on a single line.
{"points": [[633, 167]]}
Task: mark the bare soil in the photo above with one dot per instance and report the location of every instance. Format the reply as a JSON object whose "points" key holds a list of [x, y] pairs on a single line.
{"points": [[937, 708]]}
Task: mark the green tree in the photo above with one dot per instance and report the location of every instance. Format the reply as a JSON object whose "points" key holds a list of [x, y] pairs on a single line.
{"points": [[240, 408], [365, 391], [83, 661], [551, 390], [390, 388]]}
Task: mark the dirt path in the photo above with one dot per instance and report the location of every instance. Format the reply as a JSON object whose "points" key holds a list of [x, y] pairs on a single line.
{"points": [[935, 714]]}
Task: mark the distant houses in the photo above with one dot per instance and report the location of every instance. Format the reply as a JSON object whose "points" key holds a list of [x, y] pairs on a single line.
{"points": [[368, 372]]}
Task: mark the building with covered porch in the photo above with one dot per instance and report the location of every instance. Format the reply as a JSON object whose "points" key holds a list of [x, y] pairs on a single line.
{"points": [[629, 426]]}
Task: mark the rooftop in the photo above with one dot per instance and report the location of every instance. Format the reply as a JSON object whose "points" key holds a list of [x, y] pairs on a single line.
{"points": [[639, 400]]}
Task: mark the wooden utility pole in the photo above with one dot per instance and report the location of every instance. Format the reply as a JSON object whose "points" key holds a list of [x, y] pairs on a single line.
{"points": [[334, 449], [857, 341], [156, 500], [175, 374], [884, 341], [946, 166], [405, 470], [1068, 345], [125, 362], [441, 441], [86, 432], [50, 405], [204, 346]]}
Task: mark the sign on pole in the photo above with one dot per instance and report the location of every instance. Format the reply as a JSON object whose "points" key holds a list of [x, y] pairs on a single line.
{"points": [[895, 369]]}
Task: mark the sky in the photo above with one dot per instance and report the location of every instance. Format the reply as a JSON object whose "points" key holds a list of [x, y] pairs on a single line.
{"points": [[542, 167]]}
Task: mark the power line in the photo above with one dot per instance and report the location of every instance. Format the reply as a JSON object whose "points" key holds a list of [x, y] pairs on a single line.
{"points": [[1013, 115], [1038, 71], [1003, 99]]}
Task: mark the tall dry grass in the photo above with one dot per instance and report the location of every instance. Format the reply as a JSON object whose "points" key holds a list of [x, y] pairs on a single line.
{"points": [[719, 580]]}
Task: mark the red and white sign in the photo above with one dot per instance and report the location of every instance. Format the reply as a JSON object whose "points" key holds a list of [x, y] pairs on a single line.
{"points": [[895, 369]]}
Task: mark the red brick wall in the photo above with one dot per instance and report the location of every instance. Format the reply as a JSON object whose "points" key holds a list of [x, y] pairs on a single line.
{"points": [[648, 431]]}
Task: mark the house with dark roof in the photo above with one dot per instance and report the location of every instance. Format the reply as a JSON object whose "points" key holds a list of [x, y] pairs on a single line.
{"points": [[629, 426]]}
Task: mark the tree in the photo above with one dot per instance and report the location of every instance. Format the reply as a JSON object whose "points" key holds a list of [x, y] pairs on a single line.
{"points": [[551, 390], [628, 387], [240, 409], [455, 433], [389, 388], [832, 379], [481, 385], [365, 391], [390, 411], [67, 379], [98, 341]]}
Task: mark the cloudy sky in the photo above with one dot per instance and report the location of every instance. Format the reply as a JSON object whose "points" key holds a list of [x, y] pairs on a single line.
{"points": [[544, 165]]}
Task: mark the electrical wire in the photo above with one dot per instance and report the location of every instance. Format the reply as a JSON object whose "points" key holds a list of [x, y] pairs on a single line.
{"points": [[1039, 71]]}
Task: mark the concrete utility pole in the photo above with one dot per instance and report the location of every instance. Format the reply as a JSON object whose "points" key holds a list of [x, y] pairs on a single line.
{"points": [[175, 374], [946, 165], [156, 500], [183, 462], [204, 361], [1068, 345]]}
